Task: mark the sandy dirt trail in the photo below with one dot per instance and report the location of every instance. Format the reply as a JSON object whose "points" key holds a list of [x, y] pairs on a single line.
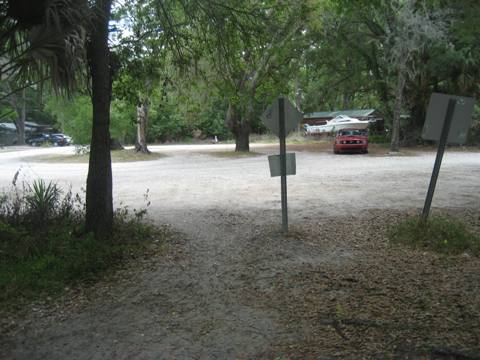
{"points": [[188, 177], [193, 303]]}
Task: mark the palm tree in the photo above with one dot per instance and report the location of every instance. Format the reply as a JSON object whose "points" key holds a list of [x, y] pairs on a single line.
{"points": [[46, 40], [99, 201]]}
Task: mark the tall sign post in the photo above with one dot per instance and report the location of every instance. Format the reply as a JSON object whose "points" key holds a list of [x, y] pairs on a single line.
{"points": [[281, 118], [283, 162], [448, 120]]}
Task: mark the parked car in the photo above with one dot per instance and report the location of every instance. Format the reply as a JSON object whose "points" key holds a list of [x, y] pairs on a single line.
{"points": [[38, 139], [351, 140], [60, 139], [50, 139]]}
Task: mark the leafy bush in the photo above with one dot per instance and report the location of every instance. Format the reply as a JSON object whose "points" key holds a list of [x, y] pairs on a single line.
{"points": [[43, 247], [379, 138], [212, 120], [442, 234], [474, 134], [74, 117], [42, 200], [16, 242], [167, 126]]}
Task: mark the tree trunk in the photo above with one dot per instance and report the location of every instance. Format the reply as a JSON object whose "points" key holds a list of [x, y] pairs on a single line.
{"points": [[347, 100], [22, 116], [417, 117], [240, 129], [397, 110], [242, 137], [20, 123], [99, 202], [298, 93], [380, 83], [348, 94], [419, 91], [298, 99], [142, 124]]}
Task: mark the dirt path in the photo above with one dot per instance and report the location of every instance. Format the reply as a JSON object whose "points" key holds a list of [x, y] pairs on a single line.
{"points": [[232, 287], [189, 305]]}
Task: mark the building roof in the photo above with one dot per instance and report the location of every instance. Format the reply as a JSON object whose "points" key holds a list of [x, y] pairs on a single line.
{"points": [[332, 114], [8, 126], [29, 126]]}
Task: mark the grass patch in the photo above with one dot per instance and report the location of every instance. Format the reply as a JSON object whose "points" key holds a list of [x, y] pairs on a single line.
{"points": [[439, 233], [119, 156], [379, 139], [267, 138], [233, 154], [43, 248], [306, 141], [66, 259], [132, 155]]}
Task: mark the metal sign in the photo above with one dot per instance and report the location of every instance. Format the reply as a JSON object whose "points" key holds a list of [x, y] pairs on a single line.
{"points": [[436, 114], [281, 118], [271, 117], [449, 119], [276, 165]]}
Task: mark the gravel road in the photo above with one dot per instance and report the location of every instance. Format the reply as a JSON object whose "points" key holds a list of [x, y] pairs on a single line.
{"points": [[189, 178], [192, 304]]}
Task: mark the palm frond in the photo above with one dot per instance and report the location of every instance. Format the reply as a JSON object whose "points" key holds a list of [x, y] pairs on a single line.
{"points": [[53, 49]]}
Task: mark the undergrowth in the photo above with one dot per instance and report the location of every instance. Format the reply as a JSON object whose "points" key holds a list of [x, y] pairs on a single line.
{"points": [[439, 233], [379, 139], [43, 246]]}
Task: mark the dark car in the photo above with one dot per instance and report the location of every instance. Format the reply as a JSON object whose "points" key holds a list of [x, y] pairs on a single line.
{"points": [[350, 140], [49, 139], [60, 139], [38, 139]]}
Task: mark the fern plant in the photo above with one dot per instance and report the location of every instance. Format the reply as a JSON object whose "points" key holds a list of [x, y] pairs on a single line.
{"points": [[42, 199]]}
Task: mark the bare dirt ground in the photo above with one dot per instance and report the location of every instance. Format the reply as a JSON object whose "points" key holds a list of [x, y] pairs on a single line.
{"points": [[231, 286]]}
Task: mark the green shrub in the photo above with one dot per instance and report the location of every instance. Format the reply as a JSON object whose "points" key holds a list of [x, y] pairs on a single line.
{"points": [[15, 242], [212, 120], [168, 126], [74, 117], [44, 257], [42, 200], [441, 234], [474, 134], [379, 139]]}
